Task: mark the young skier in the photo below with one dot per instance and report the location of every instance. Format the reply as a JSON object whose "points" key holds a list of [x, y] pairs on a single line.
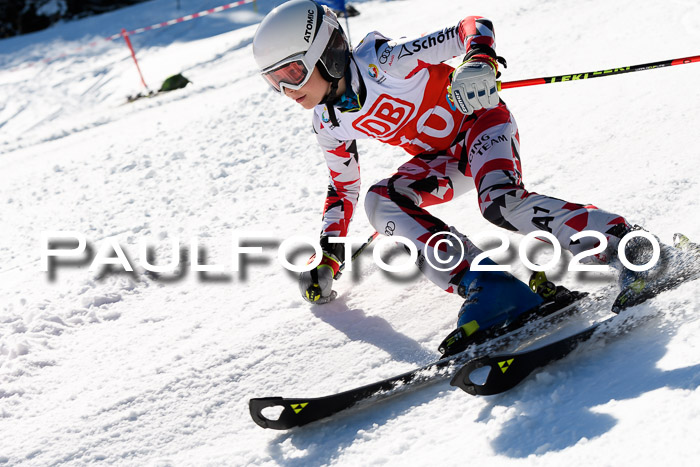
{"points": [[460, 136]]}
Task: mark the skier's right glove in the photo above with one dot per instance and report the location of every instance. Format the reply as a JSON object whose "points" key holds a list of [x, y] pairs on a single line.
{"points": [[474, 86], [316, 286]]}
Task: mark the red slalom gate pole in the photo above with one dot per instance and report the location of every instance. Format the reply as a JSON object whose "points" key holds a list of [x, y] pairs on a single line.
{"points": [[125, 35], [597, 74]]}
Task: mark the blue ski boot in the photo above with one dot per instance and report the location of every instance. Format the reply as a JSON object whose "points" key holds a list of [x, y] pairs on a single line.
{"points": [[493, 300]]}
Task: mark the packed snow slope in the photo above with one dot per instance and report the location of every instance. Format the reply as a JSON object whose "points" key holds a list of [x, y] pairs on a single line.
{"points": [[110, 367]]}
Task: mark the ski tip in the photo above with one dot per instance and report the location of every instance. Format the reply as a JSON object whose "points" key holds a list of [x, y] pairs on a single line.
{"points": [[287, 413]]}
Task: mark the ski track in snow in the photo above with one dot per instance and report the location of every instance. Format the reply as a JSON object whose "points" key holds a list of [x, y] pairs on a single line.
{"points": [[141, 369]]}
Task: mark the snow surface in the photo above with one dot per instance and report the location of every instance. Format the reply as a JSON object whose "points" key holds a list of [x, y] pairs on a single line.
{"points": [[136, 369]]}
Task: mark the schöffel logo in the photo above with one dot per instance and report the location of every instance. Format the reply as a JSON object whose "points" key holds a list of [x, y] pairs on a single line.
{"points": [[309, 25], [427, 42], [387, 116]]}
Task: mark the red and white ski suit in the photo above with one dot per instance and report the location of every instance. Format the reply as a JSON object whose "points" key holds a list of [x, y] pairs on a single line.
{"points": [[404, 101]]}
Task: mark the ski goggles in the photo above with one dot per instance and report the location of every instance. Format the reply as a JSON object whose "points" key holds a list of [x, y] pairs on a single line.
{"points": [[294, 72]]}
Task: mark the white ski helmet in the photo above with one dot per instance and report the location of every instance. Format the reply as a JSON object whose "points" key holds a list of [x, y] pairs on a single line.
{"points": [[295, 37]]}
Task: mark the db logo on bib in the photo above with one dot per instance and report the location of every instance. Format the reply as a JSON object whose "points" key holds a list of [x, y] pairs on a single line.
{"points": [[386, 116]]}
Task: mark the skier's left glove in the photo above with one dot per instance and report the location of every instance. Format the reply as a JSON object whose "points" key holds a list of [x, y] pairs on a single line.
{"points": [[474, 86], [316, 286]]}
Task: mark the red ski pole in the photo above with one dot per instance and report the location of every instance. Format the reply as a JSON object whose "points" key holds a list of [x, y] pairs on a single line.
{"points": [[596, 74], [125, 35]]}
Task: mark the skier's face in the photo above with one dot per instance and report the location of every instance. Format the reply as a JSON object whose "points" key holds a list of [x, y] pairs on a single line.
{"points": [[312, 93]]}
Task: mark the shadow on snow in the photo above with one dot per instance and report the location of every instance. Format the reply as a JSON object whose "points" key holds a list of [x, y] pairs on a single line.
{"points": [[555, 408], [554, 414]]}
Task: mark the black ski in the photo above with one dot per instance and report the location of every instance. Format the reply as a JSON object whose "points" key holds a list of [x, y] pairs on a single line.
{"points": [[300, 411], [507, 370]]}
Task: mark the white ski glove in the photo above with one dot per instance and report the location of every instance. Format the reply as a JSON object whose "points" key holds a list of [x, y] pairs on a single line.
{"points": [[474, 87]]}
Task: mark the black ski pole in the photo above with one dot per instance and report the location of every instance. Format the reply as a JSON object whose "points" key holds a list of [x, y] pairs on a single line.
{"points": [[597, 74], [315, 290], [359, 251]]}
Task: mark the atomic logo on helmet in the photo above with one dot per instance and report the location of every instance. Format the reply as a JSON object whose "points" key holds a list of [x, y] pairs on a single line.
{"points": [[285, 59]]}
